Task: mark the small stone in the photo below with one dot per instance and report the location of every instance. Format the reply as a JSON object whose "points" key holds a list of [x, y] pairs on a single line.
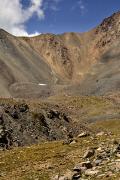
{"points": [[23, 107], [100, 149], [56, 177], [83, 134], [89, 153], [63, 178], [100, 133], [86, 164], [76, 176], [15, 114], [115, 142], [97, 162], [118, 155], [77, 168], [117, 160], [101, 175], [109, 174], [81, 167], [118, 147], [91, 172], [73, 142]]}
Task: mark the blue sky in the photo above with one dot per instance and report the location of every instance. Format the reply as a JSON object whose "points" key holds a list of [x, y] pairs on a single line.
{"points": [[73, 16], [25, 17]]}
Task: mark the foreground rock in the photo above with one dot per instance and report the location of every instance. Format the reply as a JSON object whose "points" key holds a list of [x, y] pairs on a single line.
{"points": [[103, 162]]}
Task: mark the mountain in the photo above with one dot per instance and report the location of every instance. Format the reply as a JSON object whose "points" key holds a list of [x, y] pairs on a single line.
{"points": [[74, 132], [74, 63]]}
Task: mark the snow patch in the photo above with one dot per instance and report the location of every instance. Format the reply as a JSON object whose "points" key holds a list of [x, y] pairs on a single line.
{"points": [[42, 84]]}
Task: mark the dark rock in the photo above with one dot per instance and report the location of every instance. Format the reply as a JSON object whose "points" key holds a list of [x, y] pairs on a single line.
{"points": [[76, 176], [83, 166], [15, 114], [115, 142], [65, 117], [118, 147], [70, 134], [23, 107], [53, 114], [87, 164], [5, 139]]}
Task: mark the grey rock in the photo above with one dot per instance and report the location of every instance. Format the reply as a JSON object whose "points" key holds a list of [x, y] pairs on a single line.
{"points": [[97, 162]]}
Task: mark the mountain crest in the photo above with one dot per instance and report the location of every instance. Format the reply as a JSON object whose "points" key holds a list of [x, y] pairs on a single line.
{"points": [[111, 23], [108, 31]]}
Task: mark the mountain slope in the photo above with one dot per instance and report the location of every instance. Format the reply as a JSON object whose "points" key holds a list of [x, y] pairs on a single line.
{"points": [[77, 63], [22, 69]]}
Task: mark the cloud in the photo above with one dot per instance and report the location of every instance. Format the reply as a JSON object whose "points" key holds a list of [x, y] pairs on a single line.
{"points": [[51, 4], [33, 34], [13, 16], [81, 6]]}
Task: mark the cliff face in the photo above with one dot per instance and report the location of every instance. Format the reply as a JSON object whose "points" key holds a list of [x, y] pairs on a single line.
{"points": [[40, 66]]}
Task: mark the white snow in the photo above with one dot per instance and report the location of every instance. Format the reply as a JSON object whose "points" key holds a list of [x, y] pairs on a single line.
{"points": [[42, 84]]}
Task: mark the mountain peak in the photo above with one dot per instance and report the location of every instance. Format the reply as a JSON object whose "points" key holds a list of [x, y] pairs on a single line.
{"points": [[111, 23], [4, 33], [108, 31]]}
